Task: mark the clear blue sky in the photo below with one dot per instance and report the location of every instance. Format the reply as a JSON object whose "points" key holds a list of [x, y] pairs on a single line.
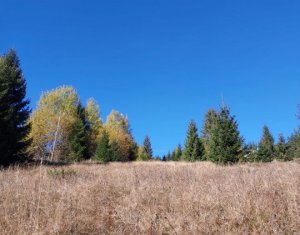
{"points": [[164, 62]]}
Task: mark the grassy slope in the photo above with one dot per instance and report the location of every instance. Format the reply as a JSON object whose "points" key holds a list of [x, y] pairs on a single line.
{"points": [[151, 198]]}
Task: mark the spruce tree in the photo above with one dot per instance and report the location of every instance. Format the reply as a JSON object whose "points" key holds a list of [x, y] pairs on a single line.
{"points": [[198, 151], [77, 142], [103, 148], [14, 111], [178, 153], [281, 149], [210, 120], [148, 148], [115, 152], [266, 146], [225, 143], [293, 146], [191, 139]]}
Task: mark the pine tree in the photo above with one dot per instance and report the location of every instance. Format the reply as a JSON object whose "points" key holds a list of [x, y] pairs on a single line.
{"points": [[115, 151], [225, 143], [191, 139], [14, 111], [103, 148], [148, 148], [77, 142], [266, 146]]}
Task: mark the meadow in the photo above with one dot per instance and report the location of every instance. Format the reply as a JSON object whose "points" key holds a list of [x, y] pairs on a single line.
{"points": [[151, 198]]}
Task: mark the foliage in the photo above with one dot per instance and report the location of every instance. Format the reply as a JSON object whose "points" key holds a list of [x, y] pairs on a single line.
{"points": [[210, 120], [148, 148], [266, 151], [293, 146], [14, 111], [94, 125], [194, 149], [115, 151], [142, 155], [117, 127], [103, 153], [225, 143], [76, 142], [52, 122]]}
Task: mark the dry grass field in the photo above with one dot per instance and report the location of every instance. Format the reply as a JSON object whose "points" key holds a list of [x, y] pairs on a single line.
{"points": [[151, 198]]}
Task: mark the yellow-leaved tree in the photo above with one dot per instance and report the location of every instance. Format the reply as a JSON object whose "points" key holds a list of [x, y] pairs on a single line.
{"points": [[95, 125], [52, 121], [118, 129]]}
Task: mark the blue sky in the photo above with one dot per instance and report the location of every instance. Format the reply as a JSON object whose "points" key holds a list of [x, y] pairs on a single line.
{"points": [[164, 62]]}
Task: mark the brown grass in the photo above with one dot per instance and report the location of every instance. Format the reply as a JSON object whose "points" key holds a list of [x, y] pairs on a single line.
{"points": [[151, 198]]}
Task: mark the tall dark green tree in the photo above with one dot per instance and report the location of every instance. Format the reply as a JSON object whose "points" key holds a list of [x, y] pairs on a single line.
{"points": [[266, 151], [103, 153], [77, 142], [148, 148], [14, 110], [293, 146], [115, 152], [198, 151], [210, 120], [225, 142], [191, 139], [281, 149], [177, 153]]}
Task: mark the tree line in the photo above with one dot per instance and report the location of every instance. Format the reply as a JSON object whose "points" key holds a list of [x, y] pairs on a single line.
{"points": [[62, 129], [220, 142]]}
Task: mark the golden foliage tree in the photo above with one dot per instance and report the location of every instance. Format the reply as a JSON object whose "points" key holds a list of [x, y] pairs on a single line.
{"points": [[118, 129], [95, 125], [52, 122]]}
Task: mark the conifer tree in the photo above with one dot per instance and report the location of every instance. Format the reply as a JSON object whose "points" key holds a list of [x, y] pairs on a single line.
{"points": [[103, 148], [14, 111], [281, 149], [148, 148], [225, 143], [191, 139], [266, 146], [198, 151], [76, 142], [210, 120], [178, 153], [115, 151], [293, 146]]}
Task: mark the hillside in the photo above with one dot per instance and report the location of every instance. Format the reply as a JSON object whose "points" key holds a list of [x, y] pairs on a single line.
{"points": [[151, 198]]}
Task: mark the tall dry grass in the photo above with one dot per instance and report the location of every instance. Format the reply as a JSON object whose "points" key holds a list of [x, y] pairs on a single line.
{"points": [[151, 198]]}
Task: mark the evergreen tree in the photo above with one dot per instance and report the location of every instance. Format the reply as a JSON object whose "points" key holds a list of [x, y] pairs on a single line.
{"points": [[77, 142], [225, 143], [148, 148], [210, 120], [14, 111], [115, 151], [281, 149], [293, 146], [103, 148], [178, 153], [191, 139], [266, 146], [169, 156], [198, 151]]}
